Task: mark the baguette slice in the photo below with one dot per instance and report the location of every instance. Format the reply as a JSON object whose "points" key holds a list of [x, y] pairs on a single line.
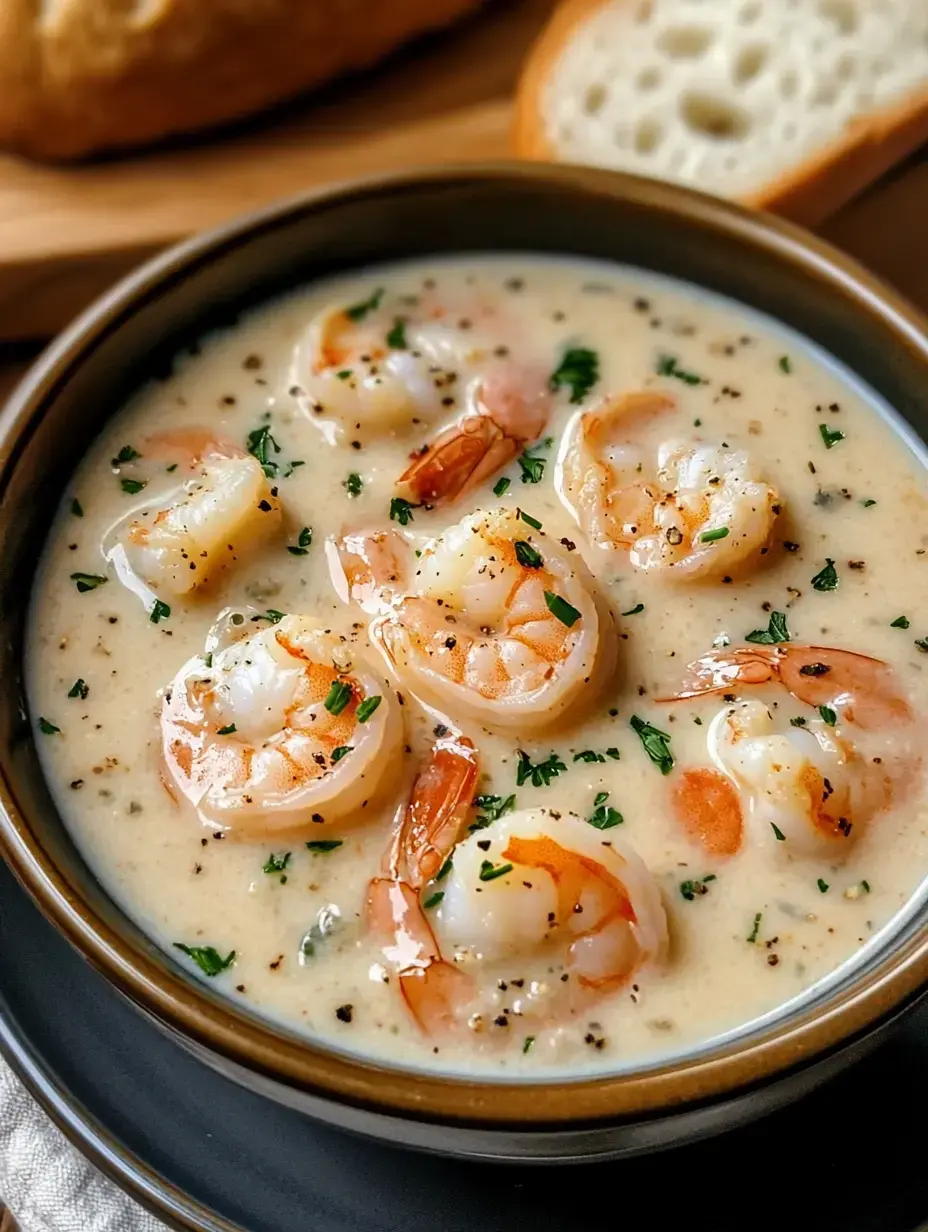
{"points": [[80, 76], [787, 105]]}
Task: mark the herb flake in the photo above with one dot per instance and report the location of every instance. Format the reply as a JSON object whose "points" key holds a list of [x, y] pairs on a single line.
{"points": [[338, 698], [207, 958], [656, 743], [561, 610], [540, 774], [827, 578], [579, 370], [775, 632]]}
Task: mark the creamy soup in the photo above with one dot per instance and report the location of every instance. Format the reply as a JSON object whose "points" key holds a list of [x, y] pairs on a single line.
{"points": [[498, 665]]}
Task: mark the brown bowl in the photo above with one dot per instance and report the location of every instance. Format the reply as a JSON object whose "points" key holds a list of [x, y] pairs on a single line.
{"points": [[133, 332]]}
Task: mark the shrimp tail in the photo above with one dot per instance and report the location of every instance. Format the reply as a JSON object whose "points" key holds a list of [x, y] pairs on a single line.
{"points": [[720, 670]]}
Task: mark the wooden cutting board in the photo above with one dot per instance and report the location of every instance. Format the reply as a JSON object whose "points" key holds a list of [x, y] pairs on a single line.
{"points": [[67, 233]]}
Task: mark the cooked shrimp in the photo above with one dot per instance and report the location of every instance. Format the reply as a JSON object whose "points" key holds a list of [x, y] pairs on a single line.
{"points": [[861, 689], [206, 524], [503, 625], [540, 905], [424, 836], [285, 729], [708, 808], [808, 790], [701, 511], [510, 411], [370, 567]]}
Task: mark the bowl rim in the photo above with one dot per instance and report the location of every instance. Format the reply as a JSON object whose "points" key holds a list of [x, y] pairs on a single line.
{"points": [[241, 1039]]}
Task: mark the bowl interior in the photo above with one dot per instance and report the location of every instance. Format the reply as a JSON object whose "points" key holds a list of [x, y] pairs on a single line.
{"points": [[131, 336]]}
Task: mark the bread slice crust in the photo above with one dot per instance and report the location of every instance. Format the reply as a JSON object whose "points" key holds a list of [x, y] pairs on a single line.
{"points": [[817, 186]]}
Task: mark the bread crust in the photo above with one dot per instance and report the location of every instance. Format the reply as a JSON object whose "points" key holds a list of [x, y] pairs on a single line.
{"points": [[807, 193], [81, 76]]}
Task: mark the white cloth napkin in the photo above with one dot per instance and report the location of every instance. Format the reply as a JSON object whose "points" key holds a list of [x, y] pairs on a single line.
{"points": [[46, 1183]]}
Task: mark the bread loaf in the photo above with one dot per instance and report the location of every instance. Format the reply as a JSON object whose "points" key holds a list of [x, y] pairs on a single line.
{"points": [[79, 76], [789, 105]]}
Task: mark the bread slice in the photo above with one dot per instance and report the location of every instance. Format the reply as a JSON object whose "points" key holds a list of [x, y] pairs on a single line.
{"points": [[79, 76], [788, 105]]}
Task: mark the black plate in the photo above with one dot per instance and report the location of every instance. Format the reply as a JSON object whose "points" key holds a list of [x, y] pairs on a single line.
{"points": [[208, 1155]]}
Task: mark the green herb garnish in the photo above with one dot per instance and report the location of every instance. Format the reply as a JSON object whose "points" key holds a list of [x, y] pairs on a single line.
{"points": [[159, 611], [901, 622], [667, 366], [656, 743], [561, 609], [342, 751], [353, 484], [87, 581], [303, 543], [260, 442], [922, 644], [775, 632], [710, 536], [401, 511], [46, 728], [492, 808], [868, 503], [276, 864], [79, 689], [338, 698], [228, 730], [755, 931], [321, 846], [827, 578], [604, 816], [533, 522], [527, 1044], [501, 486], [126, 454], [778, 833], [132, 486], [823, 886], [357, 312], [489, 873], [367, 708], [696, 887], [444, 870], [396, 338], [206, 958], [532, 468], [828, 715], [633, 611], [830, 436], [540, 774], [527, 556], [785, 364], [434, 899], [76, 508], [578, 369]]}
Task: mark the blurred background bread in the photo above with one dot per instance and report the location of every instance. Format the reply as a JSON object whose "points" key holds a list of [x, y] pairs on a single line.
{"points": [[81, 76], [792, 105]]}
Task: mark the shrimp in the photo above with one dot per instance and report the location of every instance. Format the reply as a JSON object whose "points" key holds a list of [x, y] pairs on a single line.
{"points": [[209, 522], [286, 729], [811, 782], [809, 791], [703, 510], [862, 689], [371, 567], [541, 907], [502, 626], [510, 411], [424, 836]]}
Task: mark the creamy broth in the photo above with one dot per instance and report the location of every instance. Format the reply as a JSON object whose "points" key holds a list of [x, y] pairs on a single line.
{"points": [[748, 931]]}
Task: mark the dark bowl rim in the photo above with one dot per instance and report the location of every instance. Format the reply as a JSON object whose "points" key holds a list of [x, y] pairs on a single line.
{"points": [[177, 1002]]}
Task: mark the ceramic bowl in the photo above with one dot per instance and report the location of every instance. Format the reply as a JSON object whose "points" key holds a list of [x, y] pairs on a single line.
{"points": [[133, 331]]}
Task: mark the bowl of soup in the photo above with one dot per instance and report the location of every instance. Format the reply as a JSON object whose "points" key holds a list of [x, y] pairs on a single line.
{"points": [[464, 662]]}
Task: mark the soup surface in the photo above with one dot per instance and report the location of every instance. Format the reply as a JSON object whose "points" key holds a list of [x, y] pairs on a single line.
{"points": [[469, 664]]}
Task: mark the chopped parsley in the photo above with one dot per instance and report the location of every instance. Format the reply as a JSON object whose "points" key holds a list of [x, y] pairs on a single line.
{"points": [[260, 442], [357, 312], [303, 543], [656, 743], [578, 369], [667, 366], [401, 511], [433, 899], [827, 578], [291, 467], [540, 774], [276, 864], [828, 715], [126, 454], [527, 517], [785, 364], [901, 622], [492, 808], [342, 751], [338, 698], [76, 508], [799, 721], [208, 659], [396, 338], [271, 615], [489, 873], [710, 536], [527, 1044], [159, 611], [922, 644], [229, 730], [367, 708], [444, 870], [778, 833], [755, 931], [527, 556], [501, 486], [133, 486], [207, 958], [561, 609], [591, 755], [604, 816], [633, 611], [80, 689], [830, 436], [696, 887], [87, 581], [353, 484], [46, 728], [868, 503], [321, 846], [532, 468], [775, 632], [865, 886], [344, 374], [823, 886]]}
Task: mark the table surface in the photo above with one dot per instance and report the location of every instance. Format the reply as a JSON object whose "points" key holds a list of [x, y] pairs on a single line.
{"points": [[476, 67]]}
